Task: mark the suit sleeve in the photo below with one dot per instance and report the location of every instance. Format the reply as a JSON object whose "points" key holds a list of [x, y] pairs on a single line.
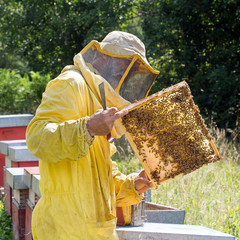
{"points": [[126, 194], [58, 132]]}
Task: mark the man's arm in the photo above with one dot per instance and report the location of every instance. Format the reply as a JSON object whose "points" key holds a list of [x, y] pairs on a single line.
{"points": [[129, 188], [58, 132]]}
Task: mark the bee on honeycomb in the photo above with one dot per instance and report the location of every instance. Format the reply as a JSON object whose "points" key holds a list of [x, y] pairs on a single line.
{"points": [[168, 134]]}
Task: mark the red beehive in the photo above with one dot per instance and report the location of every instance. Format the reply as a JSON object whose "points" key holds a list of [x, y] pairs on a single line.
{"points": [[12, 127]]}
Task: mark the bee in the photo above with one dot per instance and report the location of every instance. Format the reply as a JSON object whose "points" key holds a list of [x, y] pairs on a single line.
{"points": [[173, 130]]}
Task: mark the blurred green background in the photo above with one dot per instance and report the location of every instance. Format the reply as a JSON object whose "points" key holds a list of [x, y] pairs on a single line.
{"points": [[196, 41], [192, 40]]}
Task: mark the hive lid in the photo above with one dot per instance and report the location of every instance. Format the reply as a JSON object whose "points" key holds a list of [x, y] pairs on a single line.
{"points": [[168, 134]]}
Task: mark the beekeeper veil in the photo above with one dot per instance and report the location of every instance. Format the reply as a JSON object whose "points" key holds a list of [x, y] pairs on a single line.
{"points": [[121, 60]]}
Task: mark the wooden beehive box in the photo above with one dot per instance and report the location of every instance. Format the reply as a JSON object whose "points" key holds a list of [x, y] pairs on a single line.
{"points": [[168, 134]]}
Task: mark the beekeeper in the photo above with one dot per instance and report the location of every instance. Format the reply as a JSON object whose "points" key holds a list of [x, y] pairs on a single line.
{"points": [[80, 185]]}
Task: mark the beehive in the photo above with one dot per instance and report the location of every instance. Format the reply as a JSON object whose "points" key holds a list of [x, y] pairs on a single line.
{"points": [[168, 134]]}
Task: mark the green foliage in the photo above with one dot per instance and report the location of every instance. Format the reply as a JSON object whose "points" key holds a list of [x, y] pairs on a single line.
{"points": [[9, 93], [21, 94], [232, 222], [190, 40], [129, 165], [197, 41], [49, 33], [5, 224], [124, 150], [125, 157], [9, 61]]}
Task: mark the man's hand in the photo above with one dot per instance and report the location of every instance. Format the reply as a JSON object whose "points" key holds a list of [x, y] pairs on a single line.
{"points": [[101, 122], [142, 182]]}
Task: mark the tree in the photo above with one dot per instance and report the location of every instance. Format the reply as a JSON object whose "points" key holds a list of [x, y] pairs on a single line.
{"points": [[18, 94], [49, 33], [197, 41]]}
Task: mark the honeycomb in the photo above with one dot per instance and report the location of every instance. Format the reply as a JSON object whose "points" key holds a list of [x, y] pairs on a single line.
{"points": [[168, 134]]}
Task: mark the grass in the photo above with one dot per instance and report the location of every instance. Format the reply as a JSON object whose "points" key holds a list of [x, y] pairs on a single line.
{"points": [[210, 195]]}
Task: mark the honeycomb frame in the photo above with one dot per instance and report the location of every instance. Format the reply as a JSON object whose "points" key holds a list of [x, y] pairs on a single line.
{"points": [[168, 134]]}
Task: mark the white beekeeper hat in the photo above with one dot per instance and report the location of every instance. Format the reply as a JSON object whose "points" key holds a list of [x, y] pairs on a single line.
{"points": [[123, 43]]}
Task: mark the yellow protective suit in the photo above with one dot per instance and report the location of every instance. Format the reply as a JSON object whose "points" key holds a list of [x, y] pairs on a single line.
{"points": [[80, 185]]}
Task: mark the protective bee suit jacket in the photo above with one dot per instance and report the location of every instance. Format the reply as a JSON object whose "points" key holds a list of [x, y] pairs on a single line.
{"points": [[80, 185]]}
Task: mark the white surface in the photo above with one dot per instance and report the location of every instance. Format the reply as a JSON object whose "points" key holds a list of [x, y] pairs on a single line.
{"points": [[4, 145], [16, 120], [162, 231], [35, 184], [15, 178], [20, 154]]}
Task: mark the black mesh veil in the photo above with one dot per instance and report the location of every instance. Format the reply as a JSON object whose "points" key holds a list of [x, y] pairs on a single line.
{"points": [[128, 75]]}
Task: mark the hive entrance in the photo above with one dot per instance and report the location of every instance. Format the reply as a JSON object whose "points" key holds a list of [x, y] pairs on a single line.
{"points": [[167, 133]]}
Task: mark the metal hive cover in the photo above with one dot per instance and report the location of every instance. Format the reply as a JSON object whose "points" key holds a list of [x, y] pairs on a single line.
{"points": [[168, 134]]}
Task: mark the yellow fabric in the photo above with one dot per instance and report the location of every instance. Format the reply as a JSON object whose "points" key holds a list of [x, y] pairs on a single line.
{"points": [[80, 185], [127, 214]]}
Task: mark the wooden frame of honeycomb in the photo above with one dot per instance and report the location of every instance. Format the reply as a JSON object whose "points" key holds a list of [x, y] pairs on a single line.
{"points": [[168, 134]]}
